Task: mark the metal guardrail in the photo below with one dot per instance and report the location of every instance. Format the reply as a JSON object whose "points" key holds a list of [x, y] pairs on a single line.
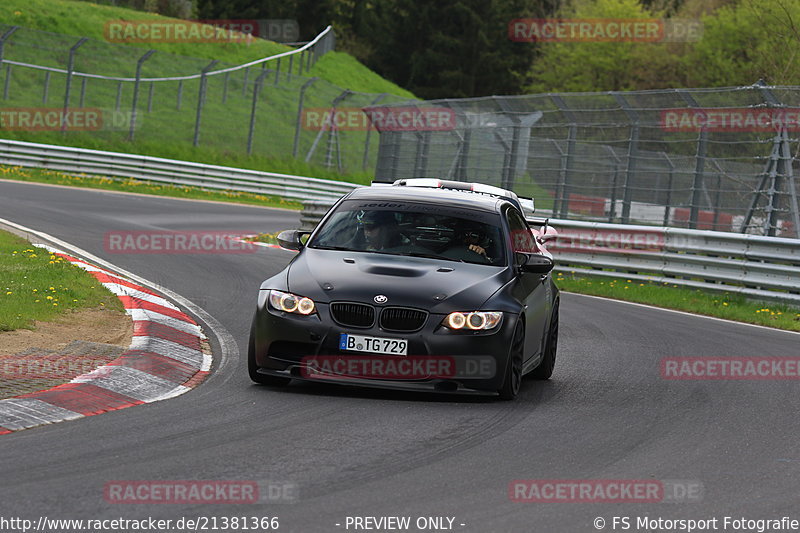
{"points": [[757, 267], [765, 268], [760, 268], [169, 171]]}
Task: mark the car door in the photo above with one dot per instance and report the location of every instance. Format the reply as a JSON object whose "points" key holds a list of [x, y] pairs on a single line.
{"points": [[529, 288]]}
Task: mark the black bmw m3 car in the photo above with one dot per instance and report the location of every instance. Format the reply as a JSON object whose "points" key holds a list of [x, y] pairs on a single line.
{"points": [[419, 285]]}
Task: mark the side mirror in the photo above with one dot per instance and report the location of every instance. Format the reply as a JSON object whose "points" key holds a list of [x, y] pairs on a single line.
{"points": [[534, 263], [291, 239]]}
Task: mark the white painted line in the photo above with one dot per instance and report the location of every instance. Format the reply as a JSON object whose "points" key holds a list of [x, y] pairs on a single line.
{"points": [[684, 313]]}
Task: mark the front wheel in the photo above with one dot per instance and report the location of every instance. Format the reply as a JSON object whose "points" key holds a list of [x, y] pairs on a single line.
{"points": [[252, 368], [513, 379], [545, 368]]}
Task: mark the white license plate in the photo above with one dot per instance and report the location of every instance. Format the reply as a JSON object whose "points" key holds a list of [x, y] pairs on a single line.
{"points": [[361, 343]]}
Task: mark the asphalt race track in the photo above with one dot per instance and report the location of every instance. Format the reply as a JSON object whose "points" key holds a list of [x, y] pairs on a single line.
{"points": [[606, 414]]}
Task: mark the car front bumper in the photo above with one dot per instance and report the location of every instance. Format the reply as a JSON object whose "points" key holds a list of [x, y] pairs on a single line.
{"points": [[285, 343]]}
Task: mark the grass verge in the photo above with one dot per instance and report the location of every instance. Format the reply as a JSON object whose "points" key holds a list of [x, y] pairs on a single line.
{"points": [[37, 285], [721, 305], [142, 187]]}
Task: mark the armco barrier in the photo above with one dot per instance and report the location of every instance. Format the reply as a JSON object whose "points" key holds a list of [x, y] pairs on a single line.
{"points": [[762, 268], [766, 268], [169, 171]]}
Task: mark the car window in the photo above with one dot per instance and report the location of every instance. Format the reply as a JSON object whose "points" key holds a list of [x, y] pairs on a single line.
{"points": [[521, 236], [420, 230]]}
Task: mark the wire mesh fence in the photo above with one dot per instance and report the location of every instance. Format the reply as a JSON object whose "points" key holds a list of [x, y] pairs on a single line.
{"points": [[722, 159], [104, 94]]}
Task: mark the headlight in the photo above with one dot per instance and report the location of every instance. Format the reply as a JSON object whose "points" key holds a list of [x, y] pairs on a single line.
{"points": [[291, 303], [474, 320]]}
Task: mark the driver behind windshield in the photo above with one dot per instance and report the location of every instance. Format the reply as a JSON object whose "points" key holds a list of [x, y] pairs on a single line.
{"points": [[471, 244], [381, 231]]}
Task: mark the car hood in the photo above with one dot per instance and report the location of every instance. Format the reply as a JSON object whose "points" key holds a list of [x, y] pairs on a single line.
{"points": [[439, 286]]}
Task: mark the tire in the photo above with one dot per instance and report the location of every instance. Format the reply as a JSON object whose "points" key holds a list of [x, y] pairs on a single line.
{"points": [[252, 368], [513, 378], [545, 368]]}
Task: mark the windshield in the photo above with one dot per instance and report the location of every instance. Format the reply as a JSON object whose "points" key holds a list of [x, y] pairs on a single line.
{"points": [[416, 230]]}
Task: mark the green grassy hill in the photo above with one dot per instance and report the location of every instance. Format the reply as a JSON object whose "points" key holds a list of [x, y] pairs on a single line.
{"points": [[167, 109]]}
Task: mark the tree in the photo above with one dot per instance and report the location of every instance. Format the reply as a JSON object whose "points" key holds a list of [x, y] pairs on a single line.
{"points": [[748, 41]]}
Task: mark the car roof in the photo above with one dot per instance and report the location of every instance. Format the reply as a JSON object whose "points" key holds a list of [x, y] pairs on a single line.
{"points": [[448, 197]]}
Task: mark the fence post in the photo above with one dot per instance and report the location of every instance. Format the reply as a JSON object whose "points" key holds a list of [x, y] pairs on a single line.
{"points": [[70, 67], [562, 203], [421, 157], [778, 166], [3, 40], [369, 131], [83, 91], [46, 87], [201, 96], [7, 82], [463, 156], [289, 73], [717, 207], [510, 165], [244, 83], [150, 94], [136, 84], [256, 90], [298, 124], [278, 71], [612, 208], [333, 133], [633, 153], [562, 161], [225, 87], [668, 202], [180, 95], [119, 96], [699, 166]]}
